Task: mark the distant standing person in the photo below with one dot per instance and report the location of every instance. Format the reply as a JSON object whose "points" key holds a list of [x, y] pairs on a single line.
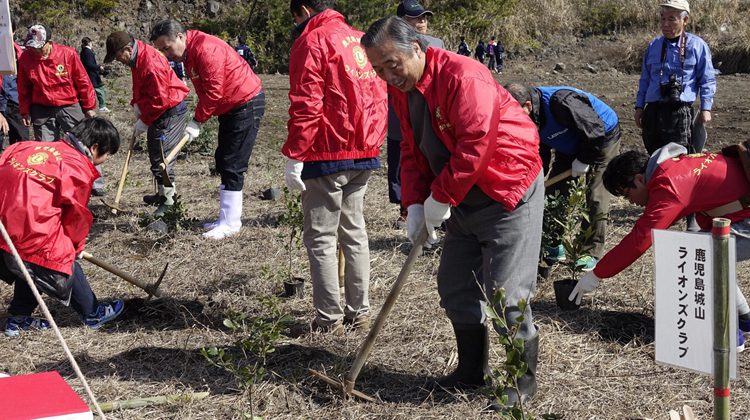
{"points": [[11, 123], [417, 17], [245, 52], [499, 57], [491, 54], [88, 58], [227, 88], [158, 105], [54, 90], [480, 51], [676, 70], [463, 47], [337, 121]]}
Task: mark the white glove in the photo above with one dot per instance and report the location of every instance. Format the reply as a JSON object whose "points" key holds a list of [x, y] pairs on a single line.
{"points": [[435, 213], [193, 130], [139, 128], [136, 111], [293, 174], [579, 168], [586, 284]]}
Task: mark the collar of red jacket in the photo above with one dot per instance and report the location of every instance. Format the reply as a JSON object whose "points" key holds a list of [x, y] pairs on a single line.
{"points": [[321, 19], [56, 49], [432, 56]]}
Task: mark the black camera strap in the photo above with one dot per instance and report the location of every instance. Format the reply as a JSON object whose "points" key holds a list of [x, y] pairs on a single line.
{"points": [[682, 44]]}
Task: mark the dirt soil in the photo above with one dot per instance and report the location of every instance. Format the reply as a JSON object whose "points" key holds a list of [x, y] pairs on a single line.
{"points": [[595, 363]]}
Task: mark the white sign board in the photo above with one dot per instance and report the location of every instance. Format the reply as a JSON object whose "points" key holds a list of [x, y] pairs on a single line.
{"points": [[7, 54], [684, 301]]}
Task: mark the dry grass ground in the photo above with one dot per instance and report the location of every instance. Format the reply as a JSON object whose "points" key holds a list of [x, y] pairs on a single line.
{"points": [[596, 363]]}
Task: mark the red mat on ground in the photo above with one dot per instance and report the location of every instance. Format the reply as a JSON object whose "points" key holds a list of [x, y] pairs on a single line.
{"points": [[40, 396]]}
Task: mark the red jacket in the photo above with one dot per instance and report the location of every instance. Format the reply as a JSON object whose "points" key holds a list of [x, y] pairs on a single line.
{"points": [[339, 107], [222, 79], [156, 87], [58, 80], [493, 143], [43, 202], [679, 187]]}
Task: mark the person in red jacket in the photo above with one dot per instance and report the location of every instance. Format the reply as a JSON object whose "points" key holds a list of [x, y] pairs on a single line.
{"points": [[54, 90], [158, 104], [469, 158], [44, 207], [337, 123], [671, 184], [228, 88]]}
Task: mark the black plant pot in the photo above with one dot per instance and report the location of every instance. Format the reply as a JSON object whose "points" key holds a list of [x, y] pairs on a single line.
{"points": [[543, 271], [563, 289], [294, 288]]}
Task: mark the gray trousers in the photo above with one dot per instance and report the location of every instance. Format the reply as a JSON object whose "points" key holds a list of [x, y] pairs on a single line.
{"points": [[333, 208], [162, 136], [494, 248], [50, 123], [741, 232]]}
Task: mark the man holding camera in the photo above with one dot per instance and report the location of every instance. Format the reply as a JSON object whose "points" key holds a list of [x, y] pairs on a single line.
{"points": [[676, 69]]}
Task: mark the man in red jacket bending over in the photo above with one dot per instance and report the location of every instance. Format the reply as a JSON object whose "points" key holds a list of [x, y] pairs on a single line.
{"points": [[671, 184], [337, 123], [228, 88], [44, 206], [158, 104], [469, 157]]}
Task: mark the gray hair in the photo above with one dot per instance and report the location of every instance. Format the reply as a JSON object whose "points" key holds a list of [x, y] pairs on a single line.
{"points": [[395, 30], [169, 28]]}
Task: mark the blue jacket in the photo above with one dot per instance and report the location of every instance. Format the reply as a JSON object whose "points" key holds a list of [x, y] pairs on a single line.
{"points": [[574, 122]]}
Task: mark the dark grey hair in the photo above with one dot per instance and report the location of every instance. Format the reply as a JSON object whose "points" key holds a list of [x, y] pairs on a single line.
{"points": [[395, 30], [169, 28], [519, 92]]}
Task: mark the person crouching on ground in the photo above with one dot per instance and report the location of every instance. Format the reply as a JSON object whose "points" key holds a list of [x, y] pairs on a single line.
{"points": [[158, 104], [469, 157], [57, 178], [669, 185]]}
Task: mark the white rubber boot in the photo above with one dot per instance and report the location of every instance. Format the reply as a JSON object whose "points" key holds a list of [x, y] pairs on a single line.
{"points": [[230, 216], [211, 225]]}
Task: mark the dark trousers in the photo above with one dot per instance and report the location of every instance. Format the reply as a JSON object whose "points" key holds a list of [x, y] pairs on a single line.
{"points": [[491, 64], [664, 123], [237, 131], [394, 170], [80, 297], [597, 197], [17, 131]]}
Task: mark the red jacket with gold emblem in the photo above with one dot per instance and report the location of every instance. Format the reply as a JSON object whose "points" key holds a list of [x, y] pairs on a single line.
{"points": [[57, 80], [680, 185], [493, 143], [43, 202], [339, 107], [222, 79], [156, 87]]}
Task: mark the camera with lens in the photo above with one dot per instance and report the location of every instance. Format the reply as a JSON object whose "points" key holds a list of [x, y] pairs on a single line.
{"points": [[672, 89]]}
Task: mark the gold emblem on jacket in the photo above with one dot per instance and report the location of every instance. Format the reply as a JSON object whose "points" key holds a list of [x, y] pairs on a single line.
{"points": [[37, 159], [359, 56], [60, 71]]}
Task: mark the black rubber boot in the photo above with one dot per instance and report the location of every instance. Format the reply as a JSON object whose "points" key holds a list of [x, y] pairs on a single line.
{"points": [[527, 382], [473, 347]]}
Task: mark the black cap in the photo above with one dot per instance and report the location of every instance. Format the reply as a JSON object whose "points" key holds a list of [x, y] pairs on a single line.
{"points": [[115, 42], [411, 8]]}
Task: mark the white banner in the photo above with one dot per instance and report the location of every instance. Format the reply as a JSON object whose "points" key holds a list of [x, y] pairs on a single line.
{"points": [[7, 55], [684, 301]]}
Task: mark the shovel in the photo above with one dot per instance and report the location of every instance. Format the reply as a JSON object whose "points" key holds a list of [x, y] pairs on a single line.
{"points": [[124, 174], [557, 178], [166, 161], [347, 386], [151, 289]]}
